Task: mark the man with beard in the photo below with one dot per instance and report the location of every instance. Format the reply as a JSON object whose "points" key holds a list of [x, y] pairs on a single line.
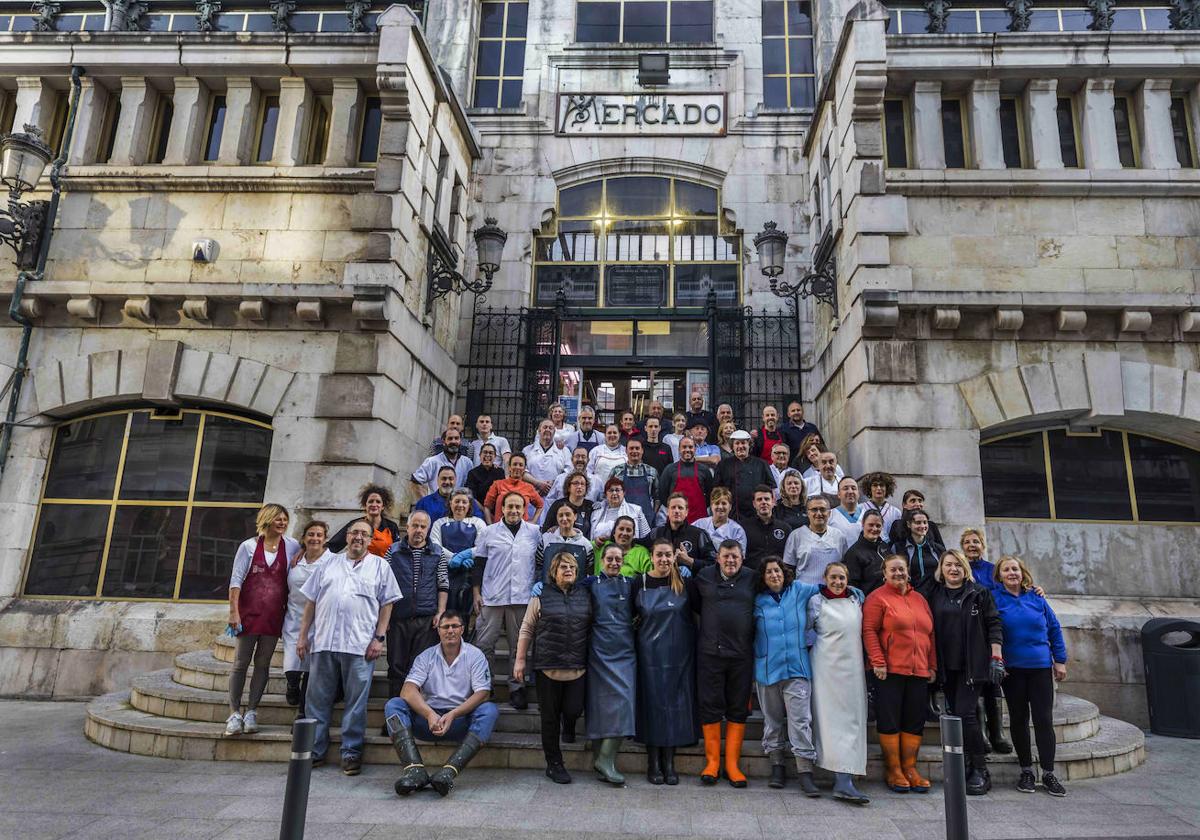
{"points": [[424, 479], [767, 436], [690, 478], [701, 414], [437, 503], [742, 474], [693, 548], [423, 576]]}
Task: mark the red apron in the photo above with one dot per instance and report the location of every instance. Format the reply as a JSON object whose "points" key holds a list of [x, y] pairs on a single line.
{"points": [[380, 542], [689, 486], [263, 601], [766, 443]]}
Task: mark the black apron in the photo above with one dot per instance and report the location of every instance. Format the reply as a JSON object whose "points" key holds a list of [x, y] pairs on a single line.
{"points": [[666, 648], [612, 662]]}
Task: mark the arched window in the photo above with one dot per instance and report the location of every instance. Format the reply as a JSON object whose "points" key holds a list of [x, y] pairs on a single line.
{"points": [[637, 241], [1101, 475], [147, 504]]}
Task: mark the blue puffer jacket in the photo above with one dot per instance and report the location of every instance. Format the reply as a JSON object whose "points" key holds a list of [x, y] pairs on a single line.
{"points": [[779, 650], [1032, 635]]}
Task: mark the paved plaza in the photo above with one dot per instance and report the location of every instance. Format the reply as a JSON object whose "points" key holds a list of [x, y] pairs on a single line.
{"points": [[55, 784]]}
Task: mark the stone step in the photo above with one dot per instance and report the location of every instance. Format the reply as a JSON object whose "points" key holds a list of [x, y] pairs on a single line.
{"points": [[112, 722], [224, 648]]}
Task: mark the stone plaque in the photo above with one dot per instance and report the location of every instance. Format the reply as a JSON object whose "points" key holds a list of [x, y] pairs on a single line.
{"points": [[662, 115]]}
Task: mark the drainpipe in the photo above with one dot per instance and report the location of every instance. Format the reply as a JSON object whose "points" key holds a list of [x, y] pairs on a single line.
{"points": [[14, 307]]}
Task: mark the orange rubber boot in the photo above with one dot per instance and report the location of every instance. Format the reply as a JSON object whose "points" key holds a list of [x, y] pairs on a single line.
{"points": [[712, 753], [909, 746], [734, 733], [893, 776]]}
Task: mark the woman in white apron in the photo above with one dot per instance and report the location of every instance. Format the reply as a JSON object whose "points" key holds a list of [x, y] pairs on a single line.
{"points": [[839, 699], [300, 569]]}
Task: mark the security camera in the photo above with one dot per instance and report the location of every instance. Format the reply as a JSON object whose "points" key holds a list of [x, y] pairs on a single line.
{"points": [[204, 250]]}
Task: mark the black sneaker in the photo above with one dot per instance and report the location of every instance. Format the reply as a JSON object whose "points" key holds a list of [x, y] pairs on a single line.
{"points": [[1052, 785], [558, 774], [518, 700], [292, 695], [1027, 782], [351, 764]]}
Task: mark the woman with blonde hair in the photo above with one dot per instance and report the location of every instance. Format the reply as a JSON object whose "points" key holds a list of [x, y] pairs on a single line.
{"points": [[258, 600], [723, 442], [974, 548]]}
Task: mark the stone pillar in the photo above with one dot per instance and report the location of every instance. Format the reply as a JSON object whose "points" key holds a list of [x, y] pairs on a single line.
{"points": [[1156, 139], [295, 110], [138, 103], [89, 122], [1041, 114], [1098, 130], [187, 125], [241, 117], [35, 103], [343, 123], [986, 145], [929, 150]]}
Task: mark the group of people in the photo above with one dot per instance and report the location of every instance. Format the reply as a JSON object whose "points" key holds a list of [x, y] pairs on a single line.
{"points": [[652, 594]]}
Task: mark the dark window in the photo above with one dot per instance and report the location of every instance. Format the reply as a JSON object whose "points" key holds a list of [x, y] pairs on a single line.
{"points": [[1076, 20], [583, 200], [788, 70], [267, 124], [112, 121], [214, 535], [216, 127], [305, 21], [580, 284], [500, 60], [1066, 133], [158, 464], [162, 128], [68, 548], [635, 285], [993, 20], [1014, 477], [638, 196], [368, 145], [645, 22], [954, 140], [691, 22], [85, 459], [895, 133], [1010, 132], [1125, 141], [694, 199], [234, 457], [318, 140], [598, 23], [1089, 476], [143, 552], [1181, 133], [694, 280], [961, 21], [1044, 20], [1166, 480]]}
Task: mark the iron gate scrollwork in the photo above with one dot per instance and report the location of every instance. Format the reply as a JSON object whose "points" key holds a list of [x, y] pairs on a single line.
{"points": [[755, 361]]}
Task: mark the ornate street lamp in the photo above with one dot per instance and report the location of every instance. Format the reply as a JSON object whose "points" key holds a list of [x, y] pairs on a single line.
{"points": [[819, 284], [489, 242], [23, 158], [444, 279]]}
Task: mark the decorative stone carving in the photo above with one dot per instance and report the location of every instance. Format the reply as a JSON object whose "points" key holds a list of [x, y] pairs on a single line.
{"points": [[127, 15], [1019, 12], [31, 307], [881, 309], [947, 318], [939, 12], [1189, 321], [1009, 320], [139, 308], [309, 310], [196, 309], [47, 13], [1135, 320], [370, 305], [281, 13], [1102, 14], [1184, 14], [84, 308], [356, 13], [253, 310], [206, 14], [1071, 320]]}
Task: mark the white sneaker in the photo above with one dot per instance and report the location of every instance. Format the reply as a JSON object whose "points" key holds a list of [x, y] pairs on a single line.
{"points": [[250, 722], [233, 724]]}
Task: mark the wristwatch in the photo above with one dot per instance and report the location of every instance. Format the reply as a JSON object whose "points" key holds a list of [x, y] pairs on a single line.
{"points": [[380, 638]]}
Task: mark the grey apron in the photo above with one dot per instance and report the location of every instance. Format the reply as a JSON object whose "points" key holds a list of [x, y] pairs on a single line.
{"points": [[612, 661], [666, 648]]}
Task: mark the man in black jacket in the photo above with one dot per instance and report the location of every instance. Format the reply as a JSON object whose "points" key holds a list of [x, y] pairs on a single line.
{"points": [[742, 474], [693, 548], [766, 536], [421, 571], [723, 595], [699, 412]]}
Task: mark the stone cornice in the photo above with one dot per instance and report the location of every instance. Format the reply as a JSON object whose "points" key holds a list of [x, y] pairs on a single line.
{"points": [[301, 179], [1081, 183]]}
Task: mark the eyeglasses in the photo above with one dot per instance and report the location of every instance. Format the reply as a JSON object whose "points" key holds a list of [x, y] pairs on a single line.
{"points": [[451, 627]]}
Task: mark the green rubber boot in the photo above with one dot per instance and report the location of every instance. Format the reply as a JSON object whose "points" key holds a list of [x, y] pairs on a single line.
{"points": [[606, 761]]}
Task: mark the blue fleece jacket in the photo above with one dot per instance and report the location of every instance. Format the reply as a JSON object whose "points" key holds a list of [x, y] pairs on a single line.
{"points": [[1032, 635], [984, 571]]}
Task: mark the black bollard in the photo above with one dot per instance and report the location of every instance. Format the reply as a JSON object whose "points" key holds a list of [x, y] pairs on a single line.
{"points": [[954, 778], [295, 797]]}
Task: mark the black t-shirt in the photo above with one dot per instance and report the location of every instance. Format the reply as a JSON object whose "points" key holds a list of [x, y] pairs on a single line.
{"points": [[948, 625], [657, 455], [481, 478], [763, 539]]}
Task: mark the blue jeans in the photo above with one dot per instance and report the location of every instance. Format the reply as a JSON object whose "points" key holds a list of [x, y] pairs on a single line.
{"points": [[353, 671], [481, 721]]}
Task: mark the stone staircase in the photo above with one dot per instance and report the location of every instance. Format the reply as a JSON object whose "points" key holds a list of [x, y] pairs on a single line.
{"points": [[180, 713]]}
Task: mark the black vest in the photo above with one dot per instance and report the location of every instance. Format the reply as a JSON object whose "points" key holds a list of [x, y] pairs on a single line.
{"points": [[561, 637]]}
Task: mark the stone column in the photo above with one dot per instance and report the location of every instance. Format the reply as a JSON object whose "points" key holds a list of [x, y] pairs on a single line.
{"points": [[35, 103], [241, 117], [1041, 114], [187, 128], [986, 145], [1098, 130], [295, 111], [138, 103], [929, 150], [1156, 139], [343, 123], [94, 102]]}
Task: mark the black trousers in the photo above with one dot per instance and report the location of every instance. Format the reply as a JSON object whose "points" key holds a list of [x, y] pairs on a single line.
{"points": [[299, 679], [723, 686], [559, 703], [962, 699], [1031, 691], [406, 638], [900, 704]]}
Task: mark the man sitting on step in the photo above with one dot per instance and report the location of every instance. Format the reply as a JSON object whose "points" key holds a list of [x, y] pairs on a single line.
{"points": [[445, 698]]}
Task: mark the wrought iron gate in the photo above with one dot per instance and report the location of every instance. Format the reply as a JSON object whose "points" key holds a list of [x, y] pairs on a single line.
{"points": [[755, 361]]}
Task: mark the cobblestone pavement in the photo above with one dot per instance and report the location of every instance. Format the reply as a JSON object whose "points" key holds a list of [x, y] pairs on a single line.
{"points": [[55, 784]]}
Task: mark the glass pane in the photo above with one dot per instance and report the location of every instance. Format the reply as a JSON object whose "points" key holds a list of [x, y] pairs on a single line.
{"points": [[234, 459], [270, 121], [518, 20], [216, 127], [893, 25], [1179, 129], [693, 282], [1014, 478], [694, 199], [335, 22], [23, 23], [645, 23], [1124, 132], [583, 200], [514, 58], [5, 22], [698, 240], [799, 18], [487, 93], [1075, 20], [1157, 20], [635, 285], [227, 22], [598, 22], [772, 18], [775, 92], [305, 22], [580, 284], [143, 552], [638, 241], [895, 134], [86, 455], [1043, 20], [1166, 480], [961, 21], [691, 22], [213, 538], [491, 20], [1066, 133], [800, 54], [95, 23], [489, 59], [952, 134], [159, 458], [672, 338], [1089, 476], [259, 23], [638, 197], [802, 91], [913, 21], [993, 20], [597, 338], [1010, 135], [775, 55], [68, 23], [368, 149], [1127, 20], [576, 242], [67, 549], [510, 94]]}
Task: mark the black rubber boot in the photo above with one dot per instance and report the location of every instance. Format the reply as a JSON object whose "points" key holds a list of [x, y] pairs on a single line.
{"points": [[292, 694], [804, 777], [654, 771], [778, 776], [668, 765], [443, 780], [979, 780], [414, 776], [995, 728]]}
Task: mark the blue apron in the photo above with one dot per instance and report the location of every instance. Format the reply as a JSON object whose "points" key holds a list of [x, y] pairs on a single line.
{"points": [[666, 654], [456, 536], [612, 662], [637, 492], [595, 439]]}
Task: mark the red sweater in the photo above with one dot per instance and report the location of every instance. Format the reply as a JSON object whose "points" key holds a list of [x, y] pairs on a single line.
{"points": [[898, 632]]}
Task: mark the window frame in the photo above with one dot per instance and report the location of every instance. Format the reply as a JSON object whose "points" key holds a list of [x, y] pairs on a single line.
{"points": [[109, 124], [160, 129], [320, 130], [786, 38], [964, 130], [260, 124], [575, 39], [906, 120], [362, 127], [114, 502], [1134, 137], [1022, 139], [504, 39], [1073, 110], [216, 101], [1189, 137]]}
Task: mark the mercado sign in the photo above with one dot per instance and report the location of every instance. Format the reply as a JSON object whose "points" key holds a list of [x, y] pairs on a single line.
{"points": [[610, 114]]}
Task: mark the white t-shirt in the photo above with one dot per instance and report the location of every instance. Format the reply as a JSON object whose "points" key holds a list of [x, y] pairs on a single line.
{"points": [[447, 685], [348, 598]]}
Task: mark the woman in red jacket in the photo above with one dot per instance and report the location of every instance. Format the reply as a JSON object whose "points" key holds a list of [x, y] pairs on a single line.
{"points": [[898, 635]]}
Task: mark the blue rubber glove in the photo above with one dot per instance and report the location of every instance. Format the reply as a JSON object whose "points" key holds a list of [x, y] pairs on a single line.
{"points": [[232, 630], [465, 559], [536, 591], [685, 572]]}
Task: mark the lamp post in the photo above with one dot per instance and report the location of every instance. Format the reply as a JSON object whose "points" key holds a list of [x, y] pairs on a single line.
{"points": [[819, 284], [444, 279]]}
